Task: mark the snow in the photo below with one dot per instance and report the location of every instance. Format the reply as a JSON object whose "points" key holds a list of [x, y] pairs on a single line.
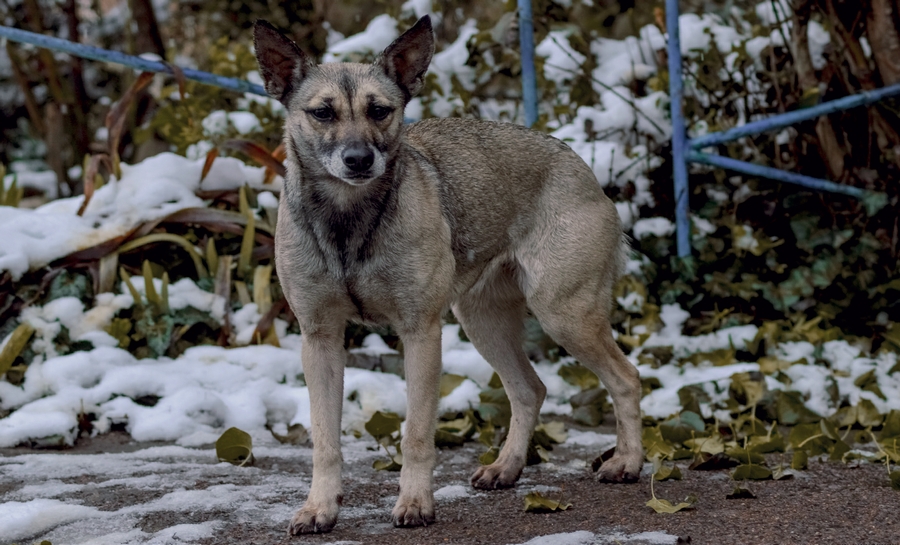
{"points": [[574, 538], [24, 519], [451, 492], [380, 32], [151, 190], [218, 122], [657, 227], [562, 62], [209, 388]]}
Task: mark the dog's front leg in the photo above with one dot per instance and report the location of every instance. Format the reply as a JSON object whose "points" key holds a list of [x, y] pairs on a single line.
{"points": [[323, 367], [422, 363]]}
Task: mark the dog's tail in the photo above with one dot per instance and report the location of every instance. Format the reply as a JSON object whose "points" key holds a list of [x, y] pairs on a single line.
{"points": [[623, 255]]}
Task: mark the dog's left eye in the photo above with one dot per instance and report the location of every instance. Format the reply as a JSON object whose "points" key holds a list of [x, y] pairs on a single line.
{"points": [[378, 113], [323, 114]]}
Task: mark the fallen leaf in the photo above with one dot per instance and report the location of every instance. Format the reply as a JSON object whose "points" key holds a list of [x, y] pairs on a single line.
{"points": [[535, 502]]}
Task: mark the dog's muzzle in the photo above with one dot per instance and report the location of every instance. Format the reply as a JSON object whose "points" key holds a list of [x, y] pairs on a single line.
{"points": [[358, 158]]}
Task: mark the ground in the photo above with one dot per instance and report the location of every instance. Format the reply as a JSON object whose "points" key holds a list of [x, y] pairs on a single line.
{"points": [[157, 493]]}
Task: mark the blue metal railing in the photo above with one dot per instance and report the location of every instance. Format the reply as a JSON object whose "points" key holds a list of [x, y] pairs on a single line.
{"points": [[686, 151], [138, 63], [526, 47]]}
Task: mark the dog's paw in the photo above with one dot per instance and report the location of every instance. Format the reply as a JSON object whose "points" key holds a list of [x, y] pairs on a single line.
{"points": [[313, 520], [620, 469], [411, 511], [495, 476]]}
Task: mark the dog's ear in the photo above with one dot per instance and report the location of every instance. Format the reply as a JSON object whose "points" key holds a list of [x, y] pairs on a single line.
{"points": [[406, 60], [280, 60]]}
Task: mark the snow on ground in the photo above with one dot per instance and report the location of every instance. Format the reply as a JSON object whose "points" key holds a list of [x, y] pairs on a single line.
{"points": [[151, 190]]}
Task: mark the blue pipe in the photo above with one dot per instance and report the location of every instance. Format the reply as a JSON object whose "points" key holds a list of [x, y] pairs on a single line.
{"points": [[529, 79], [138, 63], [775, 174], [784, 120], [679, 135]]}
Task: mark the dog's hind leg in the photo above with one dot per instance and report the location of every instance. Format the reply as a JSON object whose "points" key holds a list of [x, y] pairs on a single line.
{"points": [[493, 320], [323, 367], [422, 364], [570, 265]]}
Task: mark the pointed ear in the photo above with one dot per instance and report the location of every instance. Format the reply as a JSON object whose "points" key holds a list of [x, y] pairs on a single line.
{"points": [[281, 62], [406, 60]]}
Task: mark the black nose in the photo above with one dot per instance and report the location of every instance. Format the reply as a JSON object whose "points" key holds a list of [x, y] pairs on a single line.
{"points": [[358, 157]]}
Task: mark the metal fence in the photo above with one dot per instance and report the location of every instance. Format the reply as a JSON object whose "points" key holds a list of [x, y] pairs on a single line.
{"points": [[684, 150]]}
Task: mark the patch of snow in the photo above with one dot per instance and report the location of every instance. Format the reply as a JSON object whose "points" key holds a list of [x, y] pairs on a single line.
{"points": [[452, 492], [21, 520], [657, 227], [380, 32]]}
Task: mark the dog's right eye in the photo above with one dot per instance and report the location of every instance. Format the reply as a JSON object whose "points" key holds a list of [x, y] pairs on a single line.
{"points": [[323, 114]]}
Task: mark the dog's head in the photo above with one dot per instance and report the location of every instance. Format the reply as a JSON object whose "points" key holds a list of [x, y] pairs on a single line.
{"points": [[345, 118]]}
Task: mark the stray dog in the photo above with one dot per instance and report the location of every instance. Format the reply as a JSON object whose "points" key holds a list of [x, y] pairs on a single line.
{"points": [[386, 223]]}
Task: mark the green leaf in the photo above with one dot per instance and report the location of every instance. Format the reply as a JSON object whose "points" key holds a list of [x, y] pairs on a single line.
{"points": [[679, 429], [692, 396], [745, 455], [449, 382], [874, 202], [867, 415], [489, 457], [464, 427], [810, 97], [809, 437], [753, 472], [712, 462], [383, 425], [708, 445], [799, 460], [791, 409], [579, 375], [536, 454], [665, 506], [394, 463], [740, 494], [18, 340], [235, 446], [895, 479], [763, 445], [589, 406], [494, 407], [554, 431], [891, 428], [868, 381], [666, 473], [296, 435], [782, 474], [535, 502], [747, 388], [445, 439], [654, 444]]}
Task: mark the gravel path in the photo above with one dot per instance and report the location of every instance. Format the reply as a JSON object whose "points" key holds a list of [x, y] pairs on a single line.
{"points": [[109, 490]]}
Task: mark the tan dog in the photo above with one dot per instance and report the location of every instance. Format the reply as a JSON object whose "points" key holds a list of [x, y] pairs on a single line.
{"points": [[386, 223]]}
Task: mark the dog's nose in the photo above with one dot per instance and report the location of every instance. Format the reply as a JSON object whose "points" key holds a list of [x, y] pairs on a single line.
{"points": [[358, 157]]}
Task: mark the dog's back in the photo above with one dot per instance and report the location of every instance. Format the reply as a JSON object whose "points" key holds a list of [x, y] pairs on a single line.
{"points": [[502, 185]]}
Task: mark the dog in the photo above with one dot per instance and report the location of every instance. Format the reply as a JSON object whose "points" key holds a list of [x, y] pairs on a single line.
{"points": [[382, 222]]}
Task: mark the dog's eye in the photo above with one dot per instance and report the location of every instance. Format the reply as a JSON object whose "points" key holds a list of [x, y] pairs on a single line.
{"points": [[379, 113], [323, 114]]}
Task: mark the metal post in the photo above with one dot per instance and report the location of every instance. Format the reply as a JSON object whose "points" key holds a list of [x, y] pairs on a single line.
{"points": [[529, 79], [679, 135]]}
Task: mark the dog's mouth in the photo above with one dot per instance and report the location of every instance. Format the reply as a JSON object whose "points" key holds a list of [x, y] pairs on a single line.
{"points": [[358, 178]]}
